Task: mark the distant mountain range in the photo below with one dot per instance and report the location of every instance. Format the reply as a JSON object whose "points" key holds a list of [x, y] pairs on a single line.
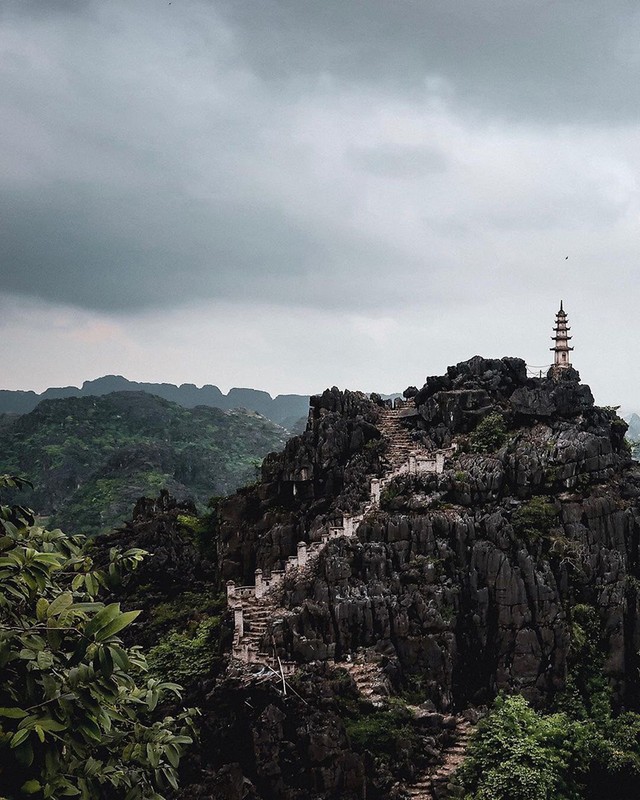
{"points": [[287, 410], [633, 433], [90, 458]]}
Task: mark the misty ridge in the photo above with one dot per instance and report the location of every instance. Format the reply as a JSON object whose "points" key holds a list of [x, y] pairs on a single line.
{"points": [[286, 410]]}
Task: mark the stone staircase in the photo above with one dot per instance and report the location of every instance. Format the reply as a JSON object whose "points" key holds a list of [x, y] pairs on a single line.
{"points": [[254, 606], [435, 785], [400, 444], [369, 678]]}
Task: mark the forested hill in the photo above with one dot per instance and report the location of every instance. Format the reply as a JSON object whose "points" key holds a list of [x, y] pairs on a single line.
{"points": [[90, 458], [286, 409]]}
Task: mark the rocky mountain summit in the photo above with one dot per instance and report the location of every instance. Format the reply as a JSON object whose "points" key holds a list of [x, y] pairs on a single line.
{"points": [[396, 568], [461, 582]]}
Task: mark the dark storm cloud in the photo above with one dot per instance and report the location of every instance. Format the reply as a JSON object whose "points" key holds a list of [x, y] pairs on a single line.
{"points": [[542, 59], [116, 252], [327, 153]]}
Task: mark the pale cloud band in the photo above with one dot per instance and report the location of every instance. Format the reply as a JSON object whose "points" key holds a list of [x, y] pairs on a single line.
{"points": [[384, 171]]}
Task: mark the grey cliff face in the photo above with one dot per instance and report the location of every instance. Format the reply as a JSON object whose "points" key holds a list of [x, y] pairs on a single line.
{"points": [[464, 581]]}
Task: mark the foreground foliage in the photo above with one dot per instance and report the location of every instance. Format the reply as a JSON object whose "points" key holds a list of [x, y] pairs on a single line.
{"points": [[76, 710], [520, 754], [584, 751]]}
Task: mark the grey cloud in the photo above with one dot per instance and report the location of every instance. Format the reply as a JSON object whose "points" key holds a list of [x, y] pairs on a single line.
{"points": [[160, 154], [395, 161], [561, 61], [130, 252]]}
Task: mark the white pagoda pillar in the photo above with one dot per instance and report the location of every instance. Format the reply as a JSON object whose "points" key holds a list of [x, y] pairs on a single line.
{"points": [[561, 338]]}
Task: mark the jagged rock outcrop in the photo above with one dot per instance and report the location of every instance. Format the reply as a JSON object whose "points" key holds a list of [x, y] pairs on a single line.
{"points": [[462, 581], [465, 580], [175, 564], [320, 474]]}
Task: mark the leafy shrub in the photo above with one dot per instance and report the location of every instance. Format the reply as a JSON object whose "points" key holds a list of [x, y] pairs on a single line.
{"points": [[76, 712], [534, 519], [185, 612], [382, 732], [186, 658], [489, 435], [518, 754]]}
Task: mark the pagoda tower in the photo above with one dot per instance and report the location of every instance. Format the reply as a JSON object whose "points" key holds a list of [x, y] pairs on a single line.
{"points": [[561, 338]]}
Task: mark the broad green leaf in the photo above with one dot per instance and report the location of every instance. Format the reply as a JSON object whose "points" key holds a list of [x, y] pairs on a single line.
{"points": [[172, 754], [170, 776], [102, 618], [60, 604], [31, 787], [44, 660], [79, 652], [90, 730], [120, 657], [106, 661], [52, 559], [117, 625], [41, 609], [19, 737], [13, 713], [70, 791], [77, 582], [91, 584], [48, 724], [87, 607], [152, 755]]}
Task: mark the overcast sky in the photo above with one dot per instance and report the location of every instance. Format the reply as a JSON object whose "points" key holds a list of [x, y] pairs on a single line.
{"points": [[291, 194]]}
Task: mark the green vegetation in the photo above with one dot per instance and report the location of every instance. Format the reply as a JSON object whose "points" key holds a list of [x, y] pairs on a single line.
{"points": [[533, 520], [187, 657], [185, 613], [490, 434], [90, 458], [521, 754], [518, 754], [382, 732], [583, 751], [189, 629], [78, 716]]}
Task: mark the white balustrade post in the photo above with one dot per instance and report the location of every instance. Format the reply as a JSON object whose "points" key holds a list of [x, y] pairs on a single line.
{"points": [[238, 622], [231, 591], [259, 589], [439, 462], [302, 554], [375, 491], [412, 464]]}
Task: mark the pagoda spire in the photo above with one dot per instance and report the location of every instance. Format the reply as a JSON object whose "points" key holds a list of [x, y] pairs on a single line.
{"points": [[561, 338]]}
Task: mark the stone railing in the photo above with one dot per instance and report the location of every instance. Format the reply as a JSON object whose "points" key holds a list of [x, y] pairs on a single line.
{"points": [[247, 651], [417, 464]]}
